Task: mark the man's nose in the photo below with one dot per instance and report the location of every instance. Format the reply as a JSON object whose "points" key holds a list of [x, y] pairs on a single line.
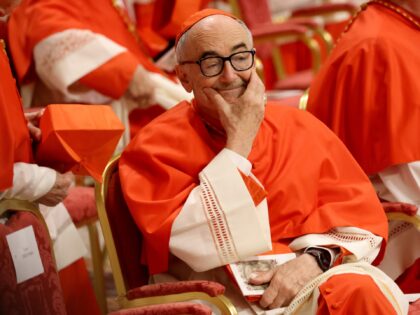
{"points": [[228, 74]]}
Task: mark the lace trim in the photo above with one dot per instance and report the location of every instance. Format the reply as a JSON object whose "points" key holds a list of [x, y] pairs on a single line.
{"points": [[399, 228], [57, 47], [405, 14], [217, 223], [347, 237], [385, 284]]}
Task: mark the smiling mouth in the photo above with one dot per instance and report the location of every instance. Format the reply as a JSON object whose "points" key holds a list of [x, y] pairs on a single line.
{"points": [[230, 88]]}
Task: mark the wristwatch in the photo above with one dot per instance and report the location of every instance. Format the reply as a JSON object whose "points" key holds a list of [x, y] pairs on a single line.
{"points": [[323, 257]]}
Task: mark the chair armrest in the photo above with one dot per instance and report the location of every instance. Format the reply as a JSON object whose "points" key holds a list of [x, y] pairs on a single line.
{"points": [[208, 287], [167, 309], [286, 32], [325, 9], [273, 31], [400, 207]]}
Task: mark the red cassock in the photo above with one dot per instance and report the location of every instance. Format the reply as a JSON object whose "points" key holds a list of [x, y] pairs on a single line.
{"points": [[15, 144], [34, 20], [367, 90], [312, 182]]}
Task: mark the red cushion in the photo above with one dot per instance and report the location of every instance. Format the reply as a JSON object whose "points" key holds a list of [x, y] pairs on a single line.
{"points": [[209, 287], [39, 295], [414, 308], [167, 309], [405, 208], [81, 204]]}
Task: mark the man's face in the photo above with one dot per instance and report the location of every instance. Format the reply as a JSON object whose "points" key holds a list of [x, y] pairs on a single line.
{"points": [[214, 36]]}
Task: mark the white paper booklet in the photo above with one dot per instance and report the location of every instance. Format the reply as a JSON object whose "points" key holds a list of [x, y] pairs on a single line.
{"points": [[243, 269]]}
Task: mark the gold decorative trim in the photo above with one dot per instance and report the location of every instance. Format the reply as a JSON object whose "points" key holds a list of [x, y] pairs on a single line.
{"points": [[397, 10], [303, 101]]}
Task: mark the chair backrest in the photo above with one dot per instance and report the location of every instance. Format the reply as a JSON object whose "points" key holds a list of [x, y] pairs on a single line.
{"points": [[38, 295], [122, 238], [252, 12]]}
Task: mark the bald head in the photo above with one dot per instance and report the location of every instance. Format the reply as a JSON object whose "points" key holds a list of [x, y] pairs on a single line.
{"points": [[211, 29]]}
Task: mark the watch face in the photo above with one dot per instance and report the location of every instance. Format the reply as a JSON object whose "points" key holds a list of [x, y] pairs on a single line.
{"points": [[323, 257]]}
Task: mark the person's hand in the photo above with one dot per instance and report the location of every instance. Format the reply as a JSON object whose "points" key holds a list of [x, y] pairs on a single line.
{"points": [[286, 280], [406, 208], [241, 118], [32, 119], [141, 89], [59, 191]]}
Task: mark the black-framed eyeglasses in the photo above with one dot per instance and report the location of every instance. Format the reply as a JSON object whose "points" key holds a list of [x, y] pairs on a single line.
{"points": [[213, 65]]}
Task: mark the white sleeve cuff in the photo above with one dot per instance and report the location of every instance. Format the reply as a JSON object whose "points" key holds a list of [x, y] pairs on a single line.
{"points": [[30, 181], [219, 220], [240, 162]]}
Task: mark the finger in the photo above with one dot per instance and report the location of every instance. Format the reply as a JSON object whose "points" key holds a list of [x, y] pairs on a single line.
{"points": [[31, 115], [261, 277], [268, 297], [34, 131], [255, 84], [255, 89], [279, 301]]}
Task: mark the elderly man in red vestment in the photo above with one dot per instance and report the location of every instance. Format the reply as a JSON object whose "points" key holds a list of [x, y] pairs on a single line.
{"points": [[21, 178], [366, 93], [224, 177]]}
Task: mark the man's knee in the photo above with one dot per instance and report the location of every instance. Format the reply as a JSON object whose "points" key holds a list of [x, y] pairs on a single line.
{"points": [[353, 294]]}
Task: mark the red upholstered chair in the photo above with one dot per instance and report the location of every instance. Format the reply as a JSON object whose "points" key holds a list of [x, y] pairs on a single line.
{"points": [[335, 15], [41, 294], [269, 36], [124, 240], [414, 308], [299, 56], [399, 211], [409, 281]]}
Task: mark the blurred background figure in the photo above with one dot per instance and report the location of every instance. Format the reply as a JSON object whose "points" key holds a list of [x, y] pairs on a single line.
{"points": [[22, 179], [90, 52], [365, 94]]}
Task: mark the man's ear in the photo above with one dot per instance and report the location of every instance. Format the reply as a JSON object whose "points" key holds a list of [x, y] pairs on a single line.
{"points": [[183, 77]]}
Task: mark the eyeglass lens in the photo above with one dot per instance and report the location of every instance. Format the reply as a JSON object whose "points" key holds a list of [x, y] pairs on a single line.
{"points": [[240, 61]]}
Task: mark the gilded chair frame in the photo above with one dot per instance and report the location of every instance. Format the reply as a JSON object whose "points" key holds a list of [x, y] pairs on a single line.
{"points": [[399, 216], [221, 302]]}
